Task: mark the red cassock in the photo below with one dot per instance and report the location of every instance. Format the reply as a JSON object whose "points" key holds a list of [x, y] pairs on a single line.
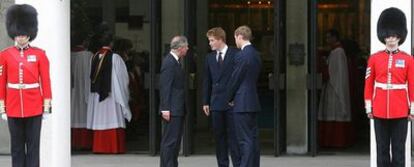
{"points": [[24, 81], [389, 85]]}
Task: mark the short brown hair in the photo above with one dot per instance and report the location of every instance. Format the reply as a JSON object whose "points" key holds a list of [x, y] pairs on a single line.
{"points": [[244, 31], [217, 32]]}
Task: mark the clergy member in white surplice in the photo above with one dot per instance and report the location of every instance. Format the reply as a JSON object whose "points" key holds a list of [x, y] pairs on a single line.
{"points": [[335, 127], [108, 101], [80, 84]]}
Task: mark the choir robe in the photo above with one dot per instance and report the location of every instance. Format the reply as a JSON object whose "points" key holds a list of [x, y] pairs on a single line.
{"points": [[107, 118], [335, 126], [80, 84]]}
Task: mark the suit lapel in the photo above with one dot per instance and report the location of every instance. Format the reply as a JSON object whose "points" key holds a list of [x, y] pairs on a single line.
{"points": [[225, 65], [212, 60], [228, 57], [173, 60]]}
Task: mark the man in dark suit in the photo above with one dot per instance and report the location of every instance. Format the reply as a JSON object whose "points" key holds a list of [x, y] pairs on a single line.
{"points": [[242, 95], [217, 71], [172, 81]]}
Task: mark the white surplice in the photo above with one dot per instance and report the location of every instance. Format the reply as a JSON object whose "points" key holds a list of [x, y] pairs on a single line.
{"points": [[80, 69], [111, 112], [335, 102]]}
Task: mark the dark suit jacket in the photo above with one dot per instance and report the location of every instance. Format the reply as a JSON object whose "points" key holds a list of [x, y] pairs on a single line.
{"points": [[172, 80], [216, 79], [243, 83]]}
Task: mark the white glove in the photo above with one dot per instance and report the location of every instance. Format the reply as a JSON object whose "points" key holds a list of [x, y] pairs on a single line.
{"points": [[4, 116], [46, 116]]}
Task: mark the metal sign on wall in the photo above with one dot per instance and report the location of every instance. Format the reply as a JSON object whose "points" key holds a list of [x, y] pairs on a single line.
{"points": [[377, 6]]}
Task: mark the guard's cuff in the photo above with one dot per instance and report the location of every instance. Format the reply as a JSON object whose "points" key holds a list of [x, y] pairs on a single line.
{"points": [[412, 108], [368, 110], [2, 107], [368, 106], [47, 105]]}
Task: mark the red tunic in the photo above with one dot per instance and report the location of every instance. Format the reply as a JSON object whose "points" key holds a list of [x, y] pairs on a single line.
{"points": [[389, 84], [24, 81]]}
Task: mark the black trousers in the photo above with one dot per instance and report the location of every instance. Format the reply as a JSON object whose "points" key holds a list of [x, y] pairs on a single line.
{"points": [[25, 140], [394, 132], [171, 141], [226, 140]]}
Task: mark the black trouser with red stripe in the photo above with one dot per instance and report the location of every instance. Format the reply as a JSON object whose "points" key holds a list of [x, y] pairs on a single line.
{"points": [[25, 141], [394, 132]]}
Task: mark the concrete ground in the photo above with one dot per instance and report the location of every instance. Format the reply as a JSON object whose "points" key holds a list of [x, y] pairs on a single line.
{"points": [[140, 160]]}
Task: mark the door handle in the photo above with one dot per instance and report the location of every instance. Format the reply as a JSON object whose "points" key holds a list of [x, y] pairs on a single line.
{"points": [[191, 81]]}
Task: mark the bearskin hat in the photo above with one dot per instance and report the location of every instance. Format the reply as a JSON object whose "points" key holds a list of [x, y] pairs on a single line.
{"points": [[21, 20], [392, 22]]}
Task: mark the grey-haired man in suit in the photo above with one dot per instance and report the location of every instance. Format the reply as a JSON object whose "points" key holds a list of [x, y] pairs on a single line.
{"points": [[172, 81]]}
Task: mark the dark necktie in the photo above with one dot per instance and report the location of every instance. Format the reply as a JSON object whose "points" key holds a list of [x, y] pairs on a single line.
{"points": [[220, 59], [179, 63]]}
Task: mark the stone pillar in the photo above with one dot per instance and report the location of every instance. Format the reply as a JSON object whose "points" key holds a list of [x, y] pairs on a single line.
{"points": [[172, 20], [54, 37], [377, 6], [139, 8], [201, 51], [297, 96], [5, 42]]}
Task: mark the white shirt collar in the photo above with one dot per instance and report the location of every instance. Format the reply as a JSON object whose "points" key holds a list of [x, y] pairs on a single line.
{"points": [[223, 51], [175, 56], [246, 44]]}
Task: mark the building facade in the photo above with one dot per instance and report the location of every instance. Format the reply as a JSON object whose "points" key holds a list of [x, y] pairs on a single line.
{"points": [[290, 36]]}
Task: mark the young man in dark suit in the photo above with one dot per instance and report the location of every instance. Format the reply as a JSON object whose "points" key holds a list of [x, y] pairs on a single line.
{"points": [[242, 95], [172, 81], [217, 71]]}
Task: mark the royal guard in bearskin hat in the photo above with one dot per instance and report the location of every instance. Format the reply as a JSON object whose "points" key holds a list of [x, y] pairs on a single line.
{"points": [[389, 89], [25, 93]]}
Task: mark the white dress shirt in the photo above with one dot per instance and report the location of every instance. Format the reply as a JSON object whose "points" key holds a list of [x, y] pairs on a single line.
{"points": [[223, 52]]}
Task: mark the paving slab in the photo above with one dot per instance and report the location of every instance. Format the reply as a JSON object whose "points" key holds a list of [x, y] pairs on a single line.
{"points": [[142, 160]]}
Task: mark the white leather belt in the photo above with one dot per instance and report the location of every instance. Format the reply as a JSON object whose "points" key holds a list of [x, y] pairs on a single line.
{"points": [[23, 86], [390, 86]]}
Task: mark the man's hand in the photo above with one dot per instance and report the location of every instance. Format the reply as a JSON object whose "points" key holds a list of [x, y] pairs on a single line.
{"points": [[231, 104], [166, 115], [206, 109], [4, 116], [369, 115]]}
